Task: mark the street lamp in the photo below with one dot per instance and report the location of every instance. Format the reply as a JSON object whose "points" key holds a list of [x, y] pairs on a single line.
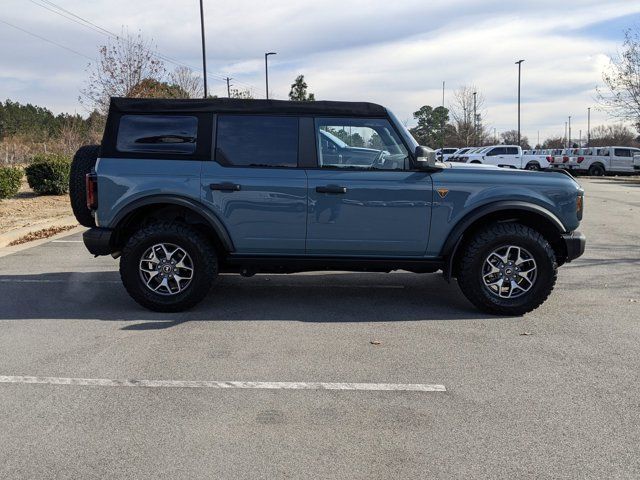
{"points": [[569, 146], [475, 119], [204, 55], [266, 70], [589, 127], [519, 63]]}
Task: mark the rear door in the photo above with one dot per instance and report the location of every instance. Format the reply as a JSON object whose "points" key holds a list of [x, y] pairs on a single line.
{"points": [[369, 203], [254, 184], [622, 160]]}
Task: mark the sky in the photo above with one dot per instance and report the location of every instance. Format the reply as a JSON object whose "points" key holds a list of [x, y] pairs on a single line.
{"points": [[394, 53]]}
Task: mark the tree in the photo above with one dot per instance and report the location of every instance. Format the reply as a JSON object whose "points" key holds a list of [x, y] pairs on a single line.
{"points": [[510, 137], [621, 95], [150, 88], [468, 131], [554, 142], [188, 81], [123, 63], [246, 94], [608, 135], [299, 91], [428, 132]]}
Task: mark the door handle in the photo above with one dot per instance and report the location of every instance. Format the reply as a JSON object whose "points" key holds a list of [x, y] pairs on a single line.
{"points": [[225, 187], [331, 189]]}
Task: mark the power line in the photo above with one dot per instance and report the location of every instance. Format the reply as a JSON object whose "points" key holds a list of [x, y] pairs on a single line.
{"points": [[58, 10], [48, 40]]}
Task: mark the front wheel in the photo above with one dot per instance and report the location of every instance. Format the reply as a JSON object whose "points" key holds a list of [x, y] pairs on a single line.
{"points": [[168, 267], [534, 166], [596, 170], [507, 269]]}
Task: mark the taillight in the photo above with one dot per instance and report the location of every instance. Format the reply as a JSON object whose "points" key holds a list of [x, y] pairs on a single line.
{"points": [[91, 182], [565, 159], [580, 159], [550, 159]]}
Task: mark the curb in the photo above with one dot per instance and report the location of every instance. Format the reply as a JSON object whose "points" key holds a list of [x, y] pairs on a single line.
{"points": [[5, 251], [8, 237]]}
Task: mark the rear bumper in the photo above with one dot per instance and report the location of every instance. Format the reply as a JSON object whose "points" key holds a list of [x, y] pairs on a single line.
{"points": [[98, 240], [575, 243]]}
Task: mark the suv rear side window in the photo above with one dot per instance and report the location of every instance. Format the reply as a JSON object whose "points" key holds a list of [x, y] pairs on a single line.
{"points": [[512, 150], [163, 134], [257, 141]]}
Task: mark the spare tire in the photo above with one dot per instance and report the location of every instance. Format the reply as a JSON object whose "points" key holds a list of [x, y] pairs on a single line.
{"points": [[83, 162]]}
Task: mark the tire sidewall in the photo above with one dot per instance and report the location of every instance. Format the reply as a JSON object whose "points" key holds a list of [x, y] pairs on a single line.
{"points": [[204, 269], [545, 273]]}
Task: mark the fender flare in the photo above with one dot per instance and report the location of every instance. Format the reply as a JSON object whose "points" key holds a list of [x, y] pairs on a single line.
{"points": [[456, 235], [212, 219]]}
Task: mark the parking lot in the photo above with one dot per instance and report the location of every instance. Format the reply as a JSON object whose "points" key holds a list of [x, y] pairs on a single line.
{"points": [[554, 394]]}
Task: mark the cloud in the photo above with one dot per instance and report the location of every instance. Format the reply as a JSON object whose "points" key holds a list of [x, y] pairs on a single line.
{"points": [[394, 53]]}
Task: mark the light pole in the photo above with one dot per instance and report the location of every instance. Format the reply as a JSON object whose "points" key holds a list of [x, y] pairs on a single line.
{"points": [[475, 119], [442, 122], [204, 55], [519, 63], [266, 70], [589, 127], [569, 132], [565, 134]]}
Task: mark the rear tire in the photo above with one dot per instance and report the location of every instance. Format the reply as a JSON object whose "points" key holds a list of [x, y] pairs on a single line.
{"points": [[168, 267], [488, 281], [534, 166], [83, 162], [596, 170]]}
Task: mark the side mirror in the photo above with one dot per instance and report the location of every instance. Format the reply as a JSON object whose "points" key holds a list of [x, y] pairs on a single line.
{"points": [[426, 158]]}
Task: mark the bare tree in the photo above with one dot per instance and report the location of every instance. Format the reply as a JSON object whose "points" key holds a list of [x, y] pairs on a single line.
{"points": [[123, 63], [246, 94], [555, 142], [188, 81], [469, 130], [607, 135], [510, 137], [621, 95]]}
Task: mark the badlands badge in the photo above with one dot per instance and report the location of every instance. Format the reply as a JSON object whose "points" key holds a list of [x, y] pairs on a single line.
{"points": [[442, 192]]}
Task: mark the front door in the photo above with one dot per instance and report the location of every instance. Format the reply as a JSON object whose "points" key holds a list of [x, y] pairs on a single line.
{"points": [[255, 186], [363, 198]]}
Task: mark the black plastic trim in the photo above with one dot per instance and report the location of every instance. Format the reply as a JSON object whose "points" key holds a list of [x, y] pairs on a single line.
{"points": [[98, 240], [250, 264], [575, 244], [213, 220]]}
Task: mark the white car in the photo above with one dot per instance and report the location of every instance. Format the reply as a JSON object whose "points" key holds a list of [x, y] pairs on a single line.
{"points": [[444, 153]]}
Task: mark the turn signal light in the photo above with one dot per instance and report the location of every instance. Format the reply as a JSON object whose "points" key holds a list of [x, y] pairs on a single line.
{"points": [[579, 206]]}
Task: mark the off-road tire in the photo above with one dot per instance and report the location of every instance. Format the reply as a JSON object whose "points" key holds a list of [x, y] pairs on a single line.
{"points": [[596, 170], [475, 251], [199, 248], [83, 162]]}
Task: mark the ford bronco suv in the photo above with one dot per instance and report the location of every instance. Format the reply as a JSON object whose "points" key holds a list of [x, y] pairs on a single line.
{"points": [[181, 190]]}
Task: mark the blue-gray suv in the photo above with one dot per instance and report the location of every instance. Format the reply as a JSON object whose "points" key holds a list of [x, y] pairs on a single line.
{"points": [[181, 190]]}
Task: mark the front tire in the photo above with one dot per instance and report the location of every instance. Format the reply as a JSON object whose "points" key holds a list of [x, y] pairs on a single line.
{"points": [[596, 170], [168, 267], [534, 166], [507, 269]]}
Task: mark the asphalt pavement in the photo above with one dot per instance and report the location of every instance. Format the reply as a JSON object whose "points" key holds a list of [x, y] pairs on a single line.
{"points": [[553, 394]]}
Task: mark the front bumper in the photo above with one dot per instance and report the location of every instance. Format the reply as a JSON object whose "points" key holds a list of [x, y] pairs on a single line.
{"points": [[575, 243], [98, 240]]}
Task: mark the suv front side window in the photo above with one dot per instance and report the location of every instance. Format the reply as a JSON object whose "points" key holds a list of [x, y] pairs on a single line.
{"points": [[359, 143], [257, 141]]}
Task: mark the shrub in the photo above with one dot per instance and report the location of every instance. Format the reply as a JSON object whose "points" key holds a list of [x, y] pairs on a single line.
{"points": [[10, 179], [49, 174]]}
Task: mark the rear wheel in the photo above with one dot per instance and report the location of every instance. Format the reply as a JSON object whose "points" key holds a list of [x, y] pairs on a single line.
{"points": [[507, 269], [168, 267], [532, 166], [596, 170]]}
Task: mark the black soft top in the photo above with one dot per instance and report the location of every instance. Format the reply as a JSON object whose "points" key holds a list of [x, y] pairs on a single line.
{"points": [[233, 105]]}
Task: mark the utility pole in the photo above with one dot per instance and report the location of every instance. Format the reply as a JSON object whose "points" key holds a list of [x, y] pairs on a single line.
{"points": [[266, 70], [580, 141], [495, 135], [442, 122], [569, 132], [565, 134], [228, 87], [589, 127], [475, 119], [519, 63], [538, 145], [204, 55]]}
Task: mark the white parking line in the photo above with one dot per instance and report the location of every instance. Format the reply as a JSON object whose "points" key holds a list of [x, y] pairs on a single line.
{"points": [[105, 382]]}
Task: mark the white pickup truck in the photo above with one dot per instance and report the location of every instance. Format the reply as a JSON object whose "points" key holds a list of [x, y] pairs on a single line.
{"points": [[608, 160], [636, 163], [509, 156]]}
